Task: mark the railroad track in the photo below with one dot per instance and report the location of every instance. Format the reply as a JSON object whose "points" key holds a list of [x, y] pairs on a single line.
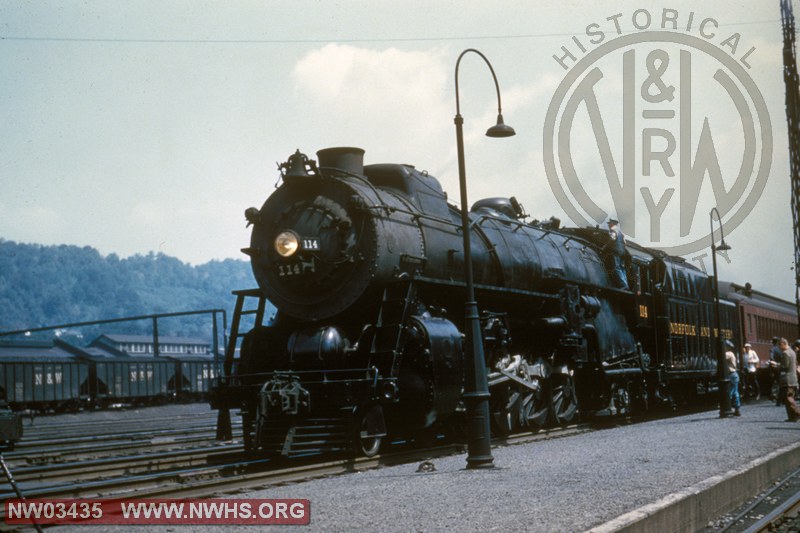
{"points": [[75, 471], [57, 452], [34, 433], [68, 442], [776, 510], [782, 518]]}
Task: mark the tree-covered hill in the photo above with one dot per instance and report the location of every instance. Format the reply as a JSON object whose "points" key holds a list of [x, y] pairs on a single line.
{"points": [[49, 285]]}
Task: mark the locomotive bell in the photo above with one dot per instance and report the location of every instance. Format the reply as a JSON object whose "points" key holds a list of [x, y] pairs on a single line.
{"points": [[295, 166]]}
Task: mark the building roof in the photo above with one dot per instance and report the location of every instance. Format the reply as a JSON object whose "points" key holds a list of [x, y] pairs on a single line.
{"points": [[102, 352], [148, 339], [36, 351]]}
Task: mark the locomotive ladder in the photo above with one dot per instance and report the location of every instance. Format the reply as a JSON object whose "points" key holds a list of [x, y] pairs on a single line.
{"points": [[389, 329], [224, 430]]}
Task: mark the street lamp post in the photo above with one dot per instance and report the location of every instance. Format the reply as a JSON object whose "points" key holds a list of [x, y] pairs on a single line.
{"points": [[722, 376], [476, 394]]}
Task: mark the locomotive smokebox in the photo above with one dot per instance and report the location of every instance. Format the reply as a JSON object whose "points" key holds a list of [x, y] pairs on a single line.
{"points": [[347, 159]]}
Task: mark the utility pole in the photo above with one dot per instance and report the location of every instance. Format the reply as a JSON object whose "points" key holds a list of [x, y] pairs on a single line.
{"points": [[793, 122]]}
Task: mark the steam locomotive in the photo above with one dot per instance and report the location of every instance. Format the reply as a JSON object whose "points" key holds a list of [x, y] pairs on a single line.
{"points": [[365, 265]]}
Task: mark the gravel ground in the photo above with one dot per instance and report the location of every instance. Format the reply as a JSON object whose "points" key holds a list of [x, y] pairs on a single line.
{"points": [[569, 484]]}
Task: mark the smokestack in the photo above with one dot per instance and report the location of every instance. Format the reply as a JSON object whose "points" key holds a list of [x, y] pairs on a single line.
{"points": [[346, 159]]}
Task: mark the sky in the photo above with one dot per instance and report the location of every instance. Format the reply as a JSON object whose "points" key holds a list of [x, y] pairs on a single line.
{"points": [[144, 126]]}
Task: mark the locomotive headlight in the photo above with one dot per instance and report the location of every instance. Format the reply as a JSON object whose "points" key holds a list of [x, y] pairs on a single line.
{"points": [[286, 243]]}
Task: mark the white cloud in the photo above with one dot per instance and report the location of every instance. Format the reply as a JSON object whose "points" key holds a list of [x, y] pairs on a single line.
{"points": [[367, 79], [391, 102], [30, 223]]}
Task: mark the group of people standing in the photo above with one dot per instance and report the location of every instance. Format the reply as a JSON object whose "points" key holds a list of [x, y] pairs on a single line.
{"points": [[783, 362]]}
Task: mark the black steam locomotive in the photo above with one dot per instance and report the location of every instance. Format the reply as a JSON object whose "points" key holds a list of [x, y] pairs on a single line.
{"points": [[365, 266]]}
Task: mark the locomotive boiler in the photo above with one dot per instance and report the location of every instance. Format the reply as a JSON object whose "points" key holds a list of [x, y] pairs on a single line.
{"points": [[365, 266]]}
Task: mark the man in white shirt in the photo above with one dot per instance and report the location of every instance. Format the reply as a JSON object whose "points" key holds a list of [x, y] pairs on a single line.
{"points": [[751, 362]]}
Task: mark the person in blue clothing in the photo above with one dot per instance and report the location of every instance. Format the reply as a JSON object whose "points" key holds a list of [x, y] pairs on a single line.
{"points": [[733, 376], [618, 252]]}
